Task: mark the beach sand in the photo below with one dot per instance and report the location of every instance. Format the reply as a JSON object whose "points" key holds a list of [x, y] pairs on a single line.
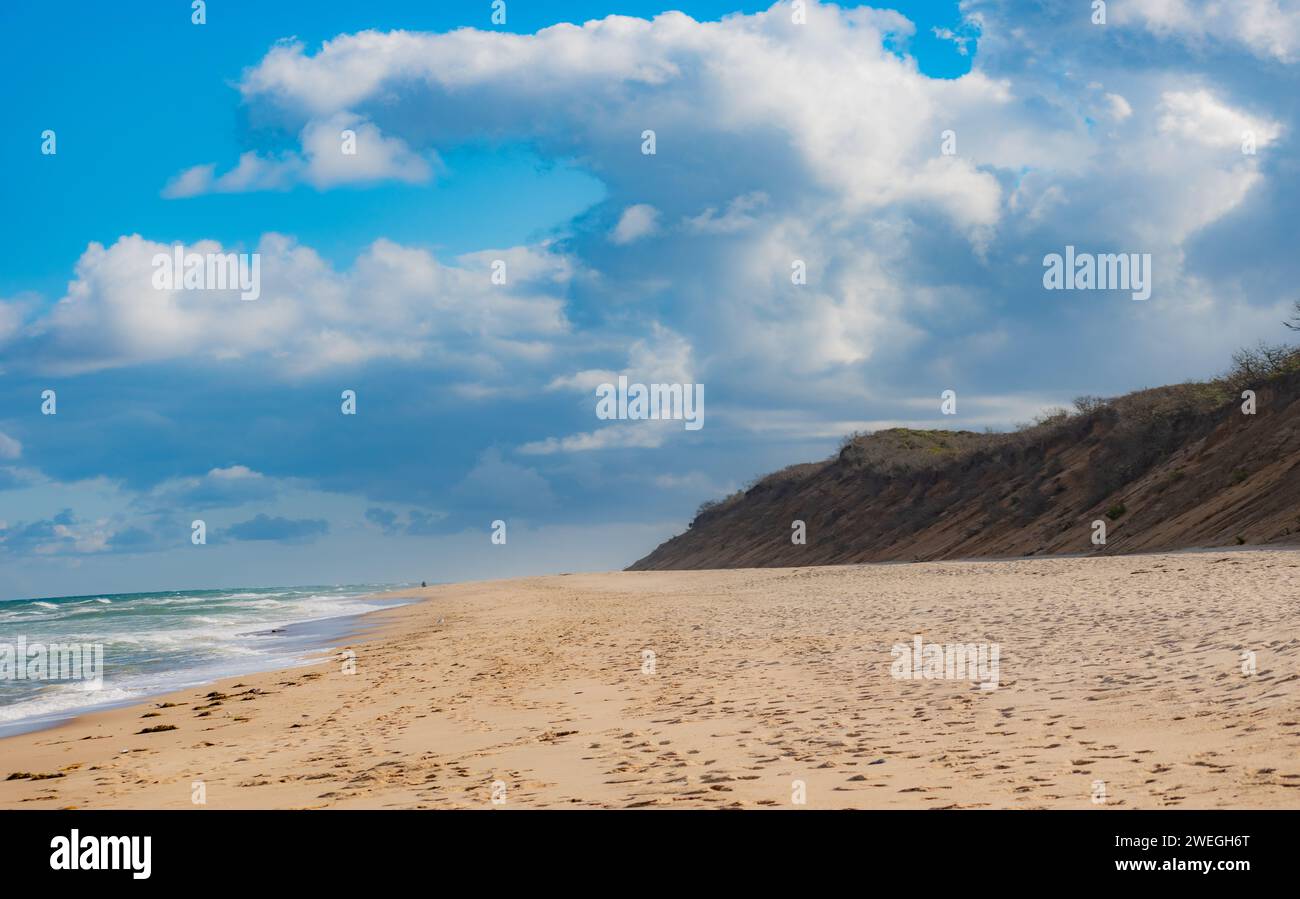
{"points": [[1123, 671]]}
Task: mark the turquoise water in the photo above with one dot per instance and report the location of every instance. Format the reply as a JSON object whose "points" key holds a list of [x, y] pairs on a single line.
{"points": [[158, 642]]}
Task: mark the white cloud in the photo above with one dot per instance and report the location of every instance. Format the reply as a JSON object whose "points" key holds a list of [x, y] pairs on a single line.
{"points": [[585, 381], [960, 40], [1267, 28], [322, 163], [855, 118], [635, 223], [1119, 107], [819, 143], [738, 215], [661, 356], [1201, 117], [774, 143], [235, 473], [394, 303], [253, 172], [235, 485], [639, 435], [11, 317]]}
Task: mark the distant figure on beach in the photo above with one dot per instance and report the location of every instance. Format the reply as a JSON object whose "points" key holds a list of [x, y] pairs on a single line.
{"points": [[423, 584]]}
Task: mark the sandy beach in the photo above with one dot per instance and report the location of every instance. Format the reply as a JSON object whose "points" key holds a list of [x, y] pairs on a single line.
{"points": [[1122, 682]]}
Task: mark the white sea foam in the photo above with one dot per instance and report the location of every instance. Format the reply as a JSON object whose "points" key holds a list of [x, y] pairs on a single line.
{"points": [[157, 643], [63, 699]]}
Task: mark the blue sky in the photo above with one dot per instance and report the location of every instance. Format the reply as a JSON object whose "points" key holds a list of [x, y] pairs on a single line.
{"points": [[521, 142]]}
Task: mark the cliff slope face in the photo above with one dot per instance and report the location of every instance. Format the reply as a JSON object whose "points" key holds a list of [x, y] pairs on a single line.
{"points": [[1167, 468]]}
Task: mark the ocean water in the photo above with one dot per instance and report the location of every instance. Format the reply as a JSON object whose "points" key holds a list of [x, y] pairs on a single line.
{"points": [[159, 642]]}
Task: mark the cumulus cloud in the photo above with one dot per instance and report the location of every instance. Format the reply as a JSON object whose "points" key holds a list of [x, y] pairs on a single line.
{"points": [[1203, 118], [61, 534], [829, 102], [394, 303], [776, 146], [1119, 108], [322, 163], [221, 487], [11, 319], [778, 143], [960, 41], [738, 215], [638, 435], [635, 223], [661, 356], [1266, 28]]}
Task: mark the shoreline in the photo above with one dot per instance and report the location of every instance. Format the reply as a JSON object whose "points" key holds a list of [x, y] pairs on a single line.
{"points": [[1118, 669], [314, 636]]}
